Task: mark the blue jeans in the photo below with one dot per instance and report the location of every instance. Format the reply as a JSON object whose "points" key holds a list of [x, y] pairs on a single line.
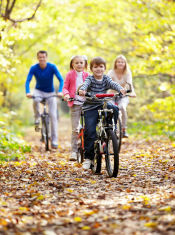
{"points": [[91, 120]]}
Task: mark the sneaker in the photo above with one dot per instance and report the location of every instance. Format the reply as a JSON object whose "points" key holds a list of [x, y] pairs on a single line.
{"points": [[125, 134], [37, 122], [54, 146], [73, 156], [87, 164]]}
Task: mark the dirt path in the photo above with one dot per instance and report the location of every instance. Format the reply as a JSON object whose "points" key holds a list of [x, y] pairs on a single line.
{"points": [[46, 194]]}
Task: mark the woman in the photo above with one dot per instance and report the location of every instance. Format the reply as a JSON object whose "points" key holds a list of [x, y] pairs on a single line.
{"points": [[122, 75]]}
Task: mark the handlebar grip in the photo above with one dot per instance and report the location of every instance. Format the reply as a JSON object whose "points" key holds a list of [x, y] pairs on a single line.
{"points": [[104, 95]]}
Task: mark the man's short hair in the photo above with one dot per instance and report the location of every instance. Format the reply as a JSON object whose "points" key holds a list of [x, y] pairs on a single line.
{"points": [[97, 61], [42, 52]]}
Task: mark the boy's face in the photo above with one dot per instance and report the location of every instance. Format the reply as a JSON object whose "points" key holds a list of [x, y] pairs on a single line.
{"points": [[98, 71]]}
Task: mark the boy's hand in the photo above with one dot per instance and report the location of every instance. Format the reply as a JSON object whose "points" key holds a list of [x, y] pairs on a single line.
{"points": [[67, 97], [82, 93], [123, 91]]}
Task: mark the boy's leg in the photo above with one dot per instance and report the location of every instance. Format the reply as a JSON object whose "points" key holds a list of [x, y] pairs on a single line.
{"points": [[52, 105], [115, 110], [91, 119], [75, 118]]}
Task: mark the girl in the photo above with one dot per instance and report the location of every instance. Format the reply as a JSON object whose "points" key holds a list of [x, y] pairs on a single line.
{"points": [[75, 78], [122, 75]]}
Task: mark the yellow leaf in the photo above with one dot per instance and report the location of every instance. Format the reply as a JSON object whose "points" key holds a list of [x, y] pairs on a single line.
{"points": [[88, 213], [23, 208], [86, 228], [3, 222], [93, 181], [70, 190], [151, 225], [126, 207], [77, 219], [41, 197], [167, 209]]}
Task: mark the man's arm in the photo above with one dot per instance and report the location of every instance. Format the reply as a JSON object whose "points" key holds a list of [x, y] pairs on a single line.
{"points": [[60, 78], [27, 83]]}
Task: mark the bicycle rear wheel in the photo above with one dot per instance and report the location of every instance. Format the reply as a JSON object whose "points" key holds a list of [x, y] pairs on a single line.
{"points": [[112, 154], [45, 132], [96, 167], [118, 133]]}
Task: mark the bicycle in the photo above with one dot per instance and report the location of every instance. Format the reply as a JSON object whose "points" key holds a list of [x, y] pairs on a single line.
{"points": [[106, 142], [80, 155], [119, 122], [45, 122]]}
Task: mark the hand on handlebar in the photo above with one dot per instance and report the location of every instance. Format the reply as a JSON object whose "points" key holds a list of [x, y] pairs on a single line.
{"points": [[67, 97], [29, 95], [59, 94], [123, 91], [82, 93]]}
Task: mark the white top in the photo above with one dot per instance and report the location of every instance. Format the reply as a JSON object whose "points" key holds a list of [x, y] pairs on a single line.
{"points": [[126, 78], [79, 82]]}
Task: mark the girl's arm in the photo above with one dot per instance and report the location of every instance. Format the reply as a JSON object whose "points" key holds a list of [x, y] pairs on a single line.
{"points": [[66, 85]]}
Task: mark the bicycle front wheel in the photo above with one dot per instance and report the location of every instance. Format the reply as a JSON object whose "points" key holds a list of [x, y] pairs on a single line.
{"points": [[45, 132], [96, 166], [112, 154]]}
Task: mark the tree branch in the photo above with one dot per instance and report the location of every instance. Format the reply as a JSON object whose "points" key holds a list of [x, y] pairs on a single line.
{"points": [[8, 11]]}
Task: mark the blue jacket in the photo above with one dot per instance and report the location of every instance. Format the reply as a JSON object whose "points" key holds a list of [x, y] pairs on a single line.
{"points": [[44, 78]]}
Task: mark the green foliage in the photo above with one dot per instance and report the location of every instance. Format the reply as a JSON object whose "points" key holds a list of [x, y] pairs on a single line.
{"points": [[143, 31], [11, 146]]}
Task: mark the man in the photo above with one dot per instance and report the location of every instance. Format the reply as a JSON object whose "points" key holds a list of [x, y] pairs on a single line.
{"points": [[44, 88]]}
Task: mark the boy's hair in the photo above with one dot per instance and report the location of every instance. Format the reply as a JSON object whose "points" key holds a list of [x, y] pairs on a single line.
{"points": [[42, 52], [97, 61], [76, 56]]}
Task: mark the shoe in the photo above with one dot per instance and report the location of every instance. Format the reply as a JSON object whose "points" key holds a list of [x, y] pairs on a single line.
{"points": [[54, 146], [73, 156], [87, 164], [37, 122], [125, 134]]}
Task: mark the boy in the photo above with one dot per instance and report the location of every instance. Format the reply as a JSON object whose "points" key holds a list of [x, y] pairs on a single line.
{"points": [[97, 83]]}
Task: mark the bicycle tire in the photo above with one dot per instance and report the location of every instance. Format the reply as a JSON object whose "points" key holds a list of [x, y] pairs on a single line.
{"points": [[118, 133], [96, 167], [112, 154], [45, 132], [80, 156]]}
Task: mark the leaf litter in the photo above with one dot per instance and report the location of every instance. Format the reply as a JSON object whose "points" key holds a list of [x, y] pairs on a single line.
{"points": [[48, 194]]}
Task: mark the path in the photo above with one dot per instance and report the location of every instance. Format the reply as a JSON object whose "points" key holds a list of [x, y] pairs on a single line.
{"points": [[46, 194]]}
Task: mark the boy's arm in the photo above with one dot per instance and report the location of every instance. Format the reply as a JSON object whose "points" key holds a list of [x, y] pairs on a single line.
{"points": [[114, 85], [60, 78], [27, 83]]}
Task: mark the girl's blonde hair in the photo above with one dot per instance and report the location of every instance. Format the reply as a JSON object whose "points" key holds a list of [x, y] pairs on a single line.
{"points": [[126, 69], [77, 56]]}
